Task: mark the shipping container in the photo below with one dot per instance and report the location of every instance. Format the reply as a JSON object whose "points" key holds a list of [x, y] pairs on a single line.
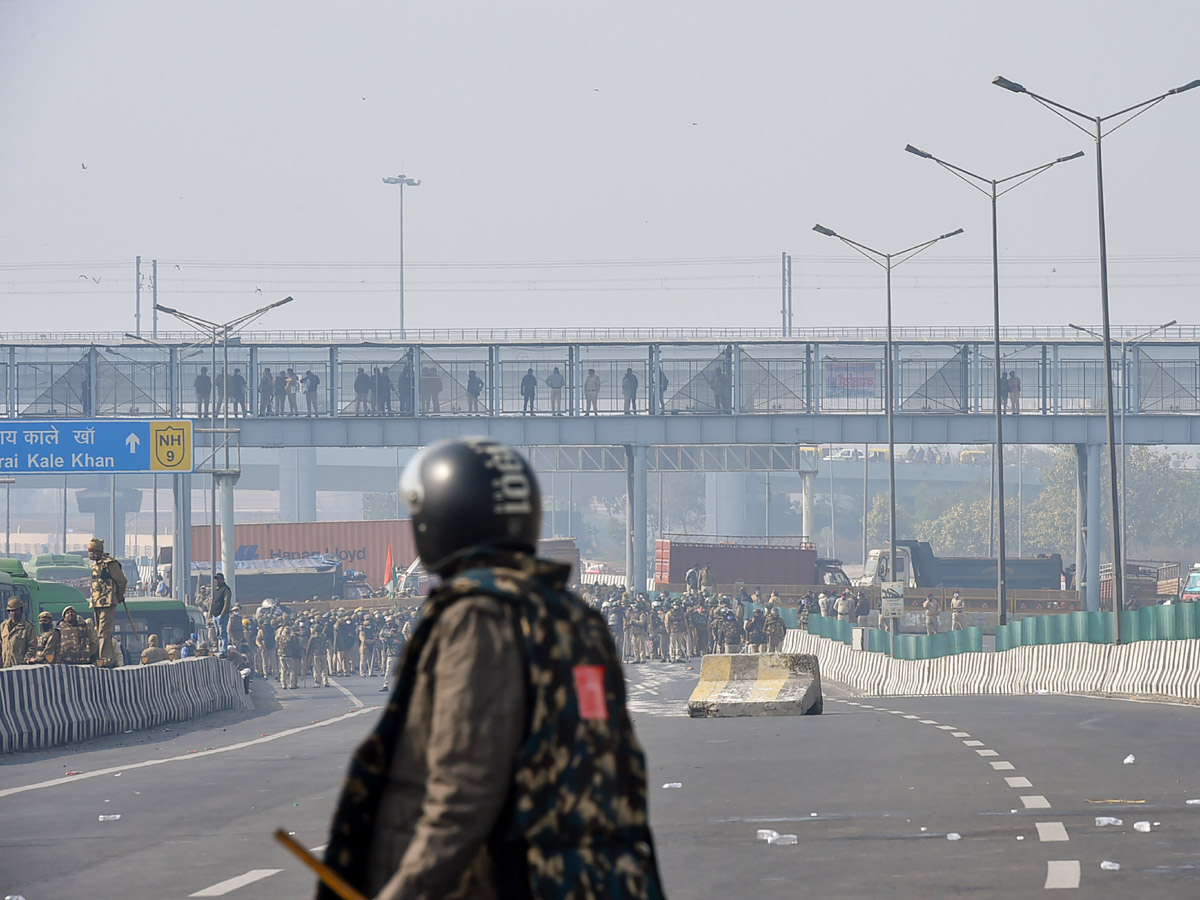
{"points": [[750, 561], [360, 546]]}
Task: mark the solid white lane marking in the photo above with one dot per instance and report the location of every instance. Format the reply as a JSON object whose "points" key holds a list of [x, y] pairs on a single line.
{"points": [[987, 752], [358, 704], [1018, 781], [973, 743], [1052, 831], [221, 888], [1035, 801], [960, 734], [945, 728], [1062, 873], [928, 722], [1003, 766], [7, 792]]}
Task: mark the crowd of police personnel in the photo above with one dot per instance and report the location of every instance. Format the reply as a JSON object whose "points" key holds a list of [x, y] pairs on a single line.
{"points": [[649, 626]]}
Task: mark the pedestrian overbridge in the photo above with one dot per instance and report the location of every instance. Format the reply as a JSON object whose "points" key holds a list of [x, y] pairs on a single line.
{"points": [[705, 400]]}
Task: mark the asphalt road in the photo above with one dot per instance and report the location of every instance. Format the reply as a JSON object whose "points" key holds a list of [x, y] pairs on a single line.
{"points": [[871, 789]]}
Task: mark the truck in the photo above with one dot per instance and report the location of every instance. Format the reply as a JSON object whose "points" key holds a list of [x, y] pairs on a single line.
{"points": [[1189, 592], [789, 565], [919, 567], [278, 579]]}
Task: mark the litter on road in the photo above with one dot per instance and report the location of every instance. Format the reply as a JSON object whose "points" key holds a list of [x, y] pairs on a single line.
{"points": [[766, 834], [108, 818], [1143, 827], [782, 839], [1110, 866], [954, 836], [1101, 821], [1129, 759], [673, 784]]}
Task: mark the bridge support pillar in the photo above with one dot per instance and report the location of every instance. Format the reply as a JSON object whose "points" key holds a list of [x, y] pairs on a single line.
{"points": [[298, 484], [1089, 537], [808, 526], [636, 520], [109, 506]]}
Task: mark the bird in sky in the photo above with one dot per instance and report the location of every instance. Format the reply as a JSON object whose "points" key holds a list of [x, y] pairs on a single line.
{"points": [[258, 290], [84, 165]]}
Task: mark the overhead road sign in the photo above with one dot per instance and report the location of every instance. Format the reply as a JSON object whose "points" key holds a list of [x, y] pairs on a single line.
{"points": [[94, 446]]}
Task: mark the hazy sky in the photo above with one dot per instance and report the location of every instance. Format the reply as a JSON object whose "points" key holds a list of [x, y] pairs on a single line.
{"points": [[586, 164]]}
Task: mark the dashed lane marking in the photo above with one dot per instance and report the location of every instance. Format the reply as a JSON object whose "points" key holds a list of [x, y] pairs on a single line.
{"points": [[960, 734], [987, 752], [1062, 873], [1018, 781], [910, 717], [928, 722], [320, 849], [1052, 831], [221, 888], [945, 728], [1035, 801], [972, 743], [1003, 766]]}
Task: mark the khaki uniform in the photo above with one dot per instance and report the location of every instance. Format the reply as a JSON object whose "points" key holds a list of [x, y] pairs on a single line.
{"points": [[676, 626], [154, 653], [932, 608], [18, 641], [108, 591], [291, 653], [958, 606], [317, 657], [639, 631]]}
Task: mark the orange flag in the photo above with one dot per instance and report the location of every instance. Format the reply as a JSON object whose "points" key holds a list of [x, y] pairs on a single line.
{"points": [[390, 575]]}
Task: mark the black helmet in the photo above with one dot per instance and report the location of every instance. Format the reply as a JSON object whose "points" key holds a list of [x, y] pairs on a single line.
{"points": [[468, 494]]}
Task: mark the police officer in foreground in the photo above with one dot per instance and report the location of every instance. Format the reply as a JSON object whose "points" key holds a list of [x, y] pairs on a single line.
{"points": [[505, 765], [108, 591]]}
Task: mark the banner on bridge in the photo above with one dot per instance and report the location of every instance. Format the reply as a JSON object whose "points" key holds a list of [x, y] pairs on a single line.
{"points": [[849, 379]]}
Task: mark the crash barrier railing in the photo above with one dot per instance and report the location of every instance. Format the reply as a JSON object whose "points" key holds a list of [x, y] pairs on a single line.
{"points": [[907, 646], [1176, 621], [45, 706], [1145, 668]]}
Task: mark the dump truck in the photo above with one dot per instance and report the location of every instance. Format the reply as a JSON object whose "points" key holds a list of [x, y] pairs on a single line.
{"points": [[920, 567], [788, 565]]}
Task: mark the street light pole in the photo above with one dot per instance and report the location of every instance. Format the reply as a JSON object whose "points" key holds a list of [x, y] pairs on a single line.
{"points": [[888, 261], [403, 181], [1097, 133], [212, 330], [8, 483], [991, 188]]}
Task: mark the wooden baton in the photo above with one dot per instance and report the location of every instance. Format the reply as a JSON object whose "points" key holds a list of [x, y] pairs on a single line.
{"points": [[331, 879]]}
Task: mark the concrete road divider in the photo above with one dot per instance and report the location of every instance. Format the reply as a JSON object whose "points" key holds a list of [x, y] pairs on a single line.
{"points": [[45, 706], [767, 684]]}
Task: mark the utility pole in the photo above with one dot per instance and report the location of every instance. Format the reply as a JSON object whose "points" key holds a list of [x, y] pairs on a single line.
{"points": [[154, 288]]}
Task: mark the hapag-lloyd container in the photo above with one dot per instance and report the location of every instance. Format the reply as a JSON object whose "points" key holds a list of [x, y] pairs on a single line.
{"points": [[360, 546]]}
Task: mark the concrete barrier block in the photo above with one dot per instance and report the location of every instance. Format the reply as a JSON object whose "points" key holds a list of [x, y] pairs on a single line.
{"points": [[768, 684]]}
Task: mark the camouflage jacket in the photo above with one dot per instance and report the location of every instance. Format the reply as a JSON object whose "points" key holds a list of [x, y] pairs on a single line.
{"points": [[108, 583], [78, 644], [576, 822]]}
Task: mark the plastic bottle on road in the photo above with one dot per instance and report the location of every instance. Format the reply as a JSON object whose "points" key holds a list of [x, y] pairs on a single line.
{"points": [[782, 839], [1110, 866], [108, 818], [1141, 826], [1101, 821]]}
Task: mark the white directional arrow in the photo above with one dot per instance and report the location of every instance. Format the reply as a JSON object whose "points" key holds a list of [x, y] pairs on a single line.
{"points": [[132, 442]]}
